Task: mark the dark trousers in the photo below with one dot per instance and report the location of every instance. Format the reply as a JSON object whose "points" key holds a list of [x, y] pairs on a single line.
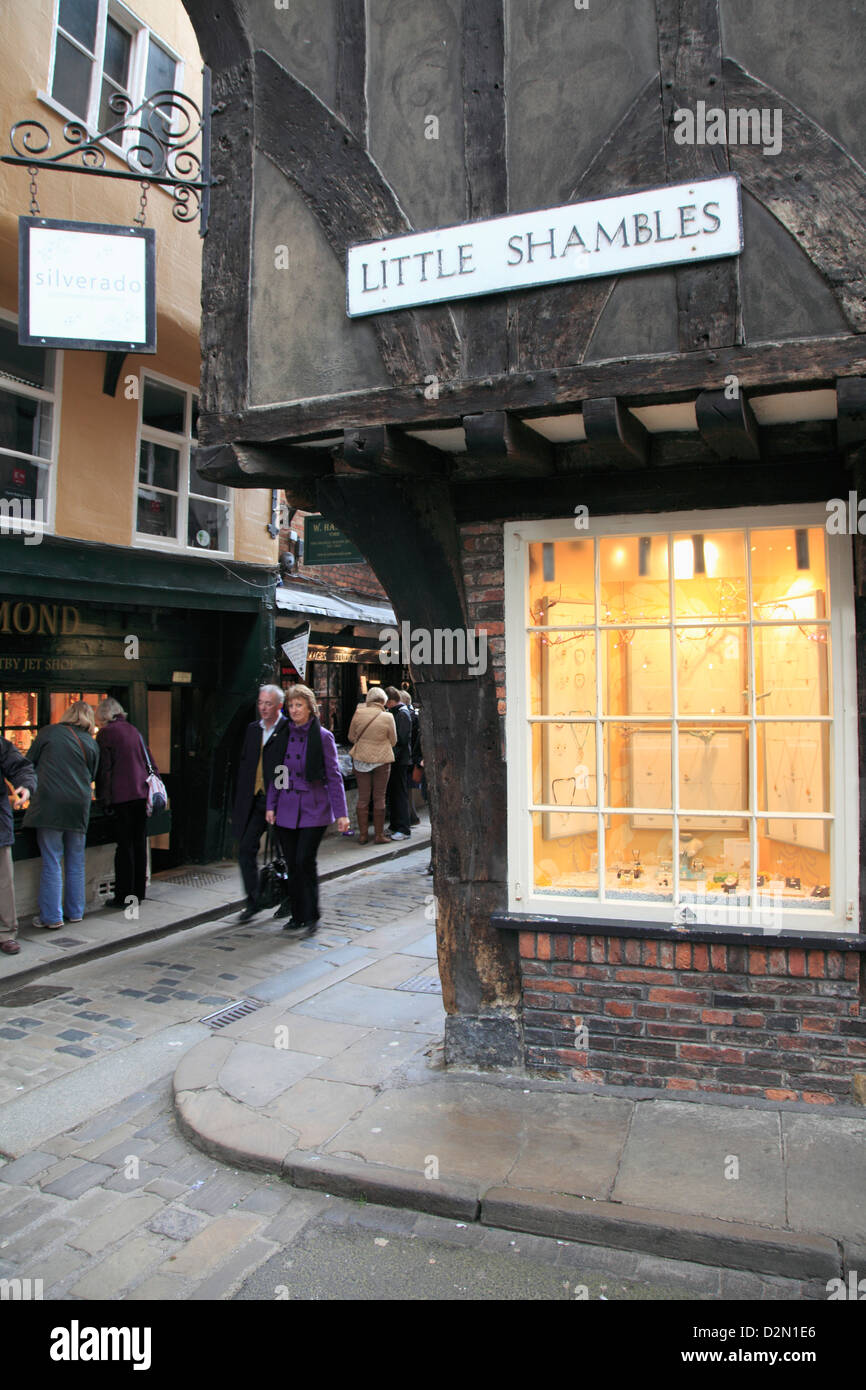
{"points": [[248, 850], [398, 797], [300, 848], [130, 857]]}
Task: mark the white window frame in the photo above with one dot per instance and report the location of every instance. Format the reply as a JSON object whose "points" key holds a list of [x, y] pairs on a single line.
{"points": [[844, 757], [141, 36], [54, 398], [183, 444]]}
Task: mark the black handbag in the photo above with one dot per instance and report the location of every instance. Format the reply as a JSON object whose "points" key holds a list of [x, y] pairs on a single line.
{"points": [[274, 876]]}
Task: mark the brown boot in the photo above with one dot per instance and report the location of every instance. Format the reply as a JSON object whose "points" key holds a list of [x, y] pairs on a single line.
{"points": [[363, 825], [379, 827]]}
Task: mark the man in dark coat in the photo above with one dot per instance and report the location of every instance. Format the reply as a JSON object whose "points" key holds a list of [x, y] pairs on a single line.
{"points": [[398, 782], [264, 748], [21, 776]]}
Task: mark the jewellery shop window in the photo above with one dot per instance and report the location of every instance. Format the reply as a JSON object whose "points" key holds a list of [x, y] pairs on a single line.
{"points": [[24, 712], [675, 720]]}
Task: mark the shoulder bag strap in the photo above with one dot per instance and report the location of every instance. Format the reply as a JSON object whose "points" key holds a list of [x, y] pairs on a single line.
{"points": [[147, 762]]}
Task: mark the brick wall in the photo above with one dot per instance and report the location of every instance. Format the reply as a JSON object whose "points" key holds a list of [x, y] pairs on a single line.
{"points": [[482, 561], [779, 1021]]}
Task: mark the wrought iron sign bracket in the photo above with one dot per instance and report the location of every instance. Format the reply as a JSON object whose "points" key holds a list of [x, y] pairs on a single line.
{"points": [[163, 130]]}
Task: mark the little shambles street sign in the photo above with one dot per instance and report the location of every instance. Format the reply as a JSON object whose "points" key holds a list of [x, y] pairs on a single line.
{"points": [[686, 222]]}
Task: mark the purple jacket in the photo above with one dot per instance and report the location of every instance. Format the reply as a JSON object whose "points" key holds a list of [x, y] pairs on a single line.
{"points": [[122, 773], [300, 803]]}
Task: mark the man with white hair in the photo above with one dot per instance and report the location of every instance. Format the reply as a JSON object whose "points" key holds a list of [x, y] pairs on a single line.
{"points": [[264, 748]]}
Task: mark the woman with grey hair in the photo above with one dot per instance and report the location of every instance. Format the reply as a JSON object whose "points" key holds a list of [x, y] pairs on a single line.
{"points": [[122, 783], [372, 734], [66, 758]]}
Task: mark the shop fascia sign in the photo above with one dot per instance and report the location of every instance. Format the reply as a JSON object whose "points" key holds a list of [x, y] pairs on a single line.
{"points": [[86, 285], [673, 225]]}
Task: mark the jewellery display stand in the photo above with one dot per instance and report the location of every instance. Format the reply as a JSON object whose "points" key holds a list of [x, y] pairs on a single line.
{"points": [[568, 685]]}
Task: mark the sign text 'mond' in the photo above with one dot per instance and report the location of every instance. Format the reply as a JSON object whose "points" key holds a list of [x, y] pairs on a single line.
{"points": [[686, 222]]}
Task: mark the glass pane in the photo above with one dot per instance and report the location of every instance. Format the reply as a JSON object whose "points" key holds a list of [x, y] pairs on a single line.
{"points": [[118, 45], [634, 579], [710, 575], [562, 670], [563, 764], [792, 670], [25, 424], [714, 865], [32, 366], [78, 18], [162, 407], [23, 481], [208, 525], [639, 863], [157, 514], [71, 78], [160, 70], [195, 417], [712, 670], [794, 773], [714, 772], [158, 465], [60, 700], [638, 763], [561, 583], [110, 116], [159, 727], [565, 854], [637, 674], [789, 574], [791, 867], [19, 717]]}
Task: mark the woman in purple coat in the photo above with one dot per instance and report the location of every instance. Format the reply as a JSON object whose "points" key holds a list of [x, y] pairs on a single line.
{"points": [[305, 796]]}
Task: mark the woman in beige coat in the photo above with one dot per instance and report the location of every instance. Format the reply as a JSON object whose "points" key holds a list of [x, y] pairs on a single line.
{"points": [[372, 734]]}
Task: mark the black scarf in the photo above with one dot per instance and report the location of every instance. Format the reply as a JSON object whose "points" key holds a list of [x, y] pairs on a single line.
{"points": [[314, 768]]}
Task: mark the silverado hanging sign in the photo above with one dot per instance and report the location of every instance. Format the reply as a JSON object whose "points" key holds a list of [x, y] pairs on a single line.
{"points": [[687, 222]]}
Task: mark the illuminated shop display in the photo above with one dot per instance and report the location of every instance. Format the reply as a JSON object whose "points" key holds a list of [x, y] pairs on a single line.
{"points": [[679, 715]]}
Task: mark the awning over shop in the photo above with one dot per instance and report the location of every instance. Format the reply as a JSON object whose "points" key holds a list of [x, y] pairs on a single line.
{"points": [[329, 603]]}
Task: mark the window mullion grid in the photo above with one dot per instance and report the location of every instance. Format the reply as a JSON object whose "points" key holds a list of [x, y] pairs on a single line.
{"points": [[600, 750], [753, 732], [675, 736]]}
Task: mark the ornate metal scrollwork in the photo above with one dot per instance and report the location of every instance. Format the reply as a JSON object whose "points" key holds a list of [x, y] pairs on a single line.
{"points": [[164, 128]]}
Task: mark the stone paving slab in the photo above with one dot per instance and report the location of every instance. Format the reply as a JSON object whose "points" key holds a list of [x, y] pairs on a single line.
{"points": [[377, 1008], [815, 1146]]}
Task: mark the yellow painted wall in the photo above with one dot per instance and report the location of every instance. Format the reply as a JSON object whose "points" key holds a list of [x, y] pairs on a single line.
{"points": [[96, 474]]}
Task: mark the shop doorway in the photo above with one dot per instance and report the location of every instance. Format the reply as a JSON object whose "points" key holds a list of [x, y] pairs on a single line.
{"points": [[171, 737]]}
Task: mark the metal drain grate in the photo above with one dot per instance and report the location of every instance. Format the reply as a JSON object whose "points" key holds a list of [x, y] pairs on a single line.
{"points": [[421, 984], [27, 995], [239, 1008], [188, 880]]}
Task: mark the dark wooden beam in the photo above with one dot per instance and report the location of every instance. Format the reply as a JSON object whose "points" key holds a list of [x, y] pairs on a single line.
{"points": [[378, 449], [690, 66], [851, 405], [642, 380], [500, 445], [620, 439], [728, 425], [294, 470], [113, 367], [352, 66]]}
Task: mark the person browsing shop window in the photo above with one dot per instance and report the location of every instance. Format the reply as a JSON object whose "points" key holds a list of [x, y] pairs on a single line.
{"points": [[263, 749], [121, 782], [66, 758], [20, 780], [305, 797]]}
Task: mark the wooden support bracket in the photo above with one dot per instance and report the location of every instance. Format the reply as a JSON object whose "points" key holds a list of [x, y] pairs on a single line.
{"points": [[851, 401], [501, 445], [615, 432], [381, 449], [728, 425]]}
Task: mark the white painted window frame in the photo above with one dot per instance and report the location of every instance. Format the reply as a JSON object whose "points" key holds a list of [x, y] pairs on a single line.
{"points": [[54, 397], [844, 760]]}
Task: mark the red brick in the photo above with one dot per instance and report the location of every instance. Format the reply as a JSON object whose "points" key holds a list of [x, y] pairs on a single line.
{"points": [[542, 949], [651, 1011], [774, 1094], [757, 962], [492, 629], [852, 965], [491, 595], [702, 957], [632, 952], [676, 996], [641, 977], [750, 1020], [683, 955], [614, 950], [618, 1009], [778, 963], [580, 948], [562, 947], [666, 955], [816, 965], [818, 1098], [678, 1083], [527, 943], [796, 961], [581, 1074], [818, 1025], [697, 1052], [500, 706], [597, 945], [719, 957], [716, 1016], [835, 965], [650, 953]]}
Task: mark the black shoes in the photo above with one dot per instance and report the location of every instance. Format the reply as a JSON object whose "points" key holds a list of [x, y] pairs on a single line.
{"points": [[248, 914], [299, 929], [284, 910]]}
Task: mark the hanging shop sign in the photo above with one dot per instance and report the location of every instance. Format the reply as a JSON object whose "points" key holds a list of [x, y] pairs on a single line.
{"points": [[696, 221], [325, 545], [295, 649], [86, 285]]}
